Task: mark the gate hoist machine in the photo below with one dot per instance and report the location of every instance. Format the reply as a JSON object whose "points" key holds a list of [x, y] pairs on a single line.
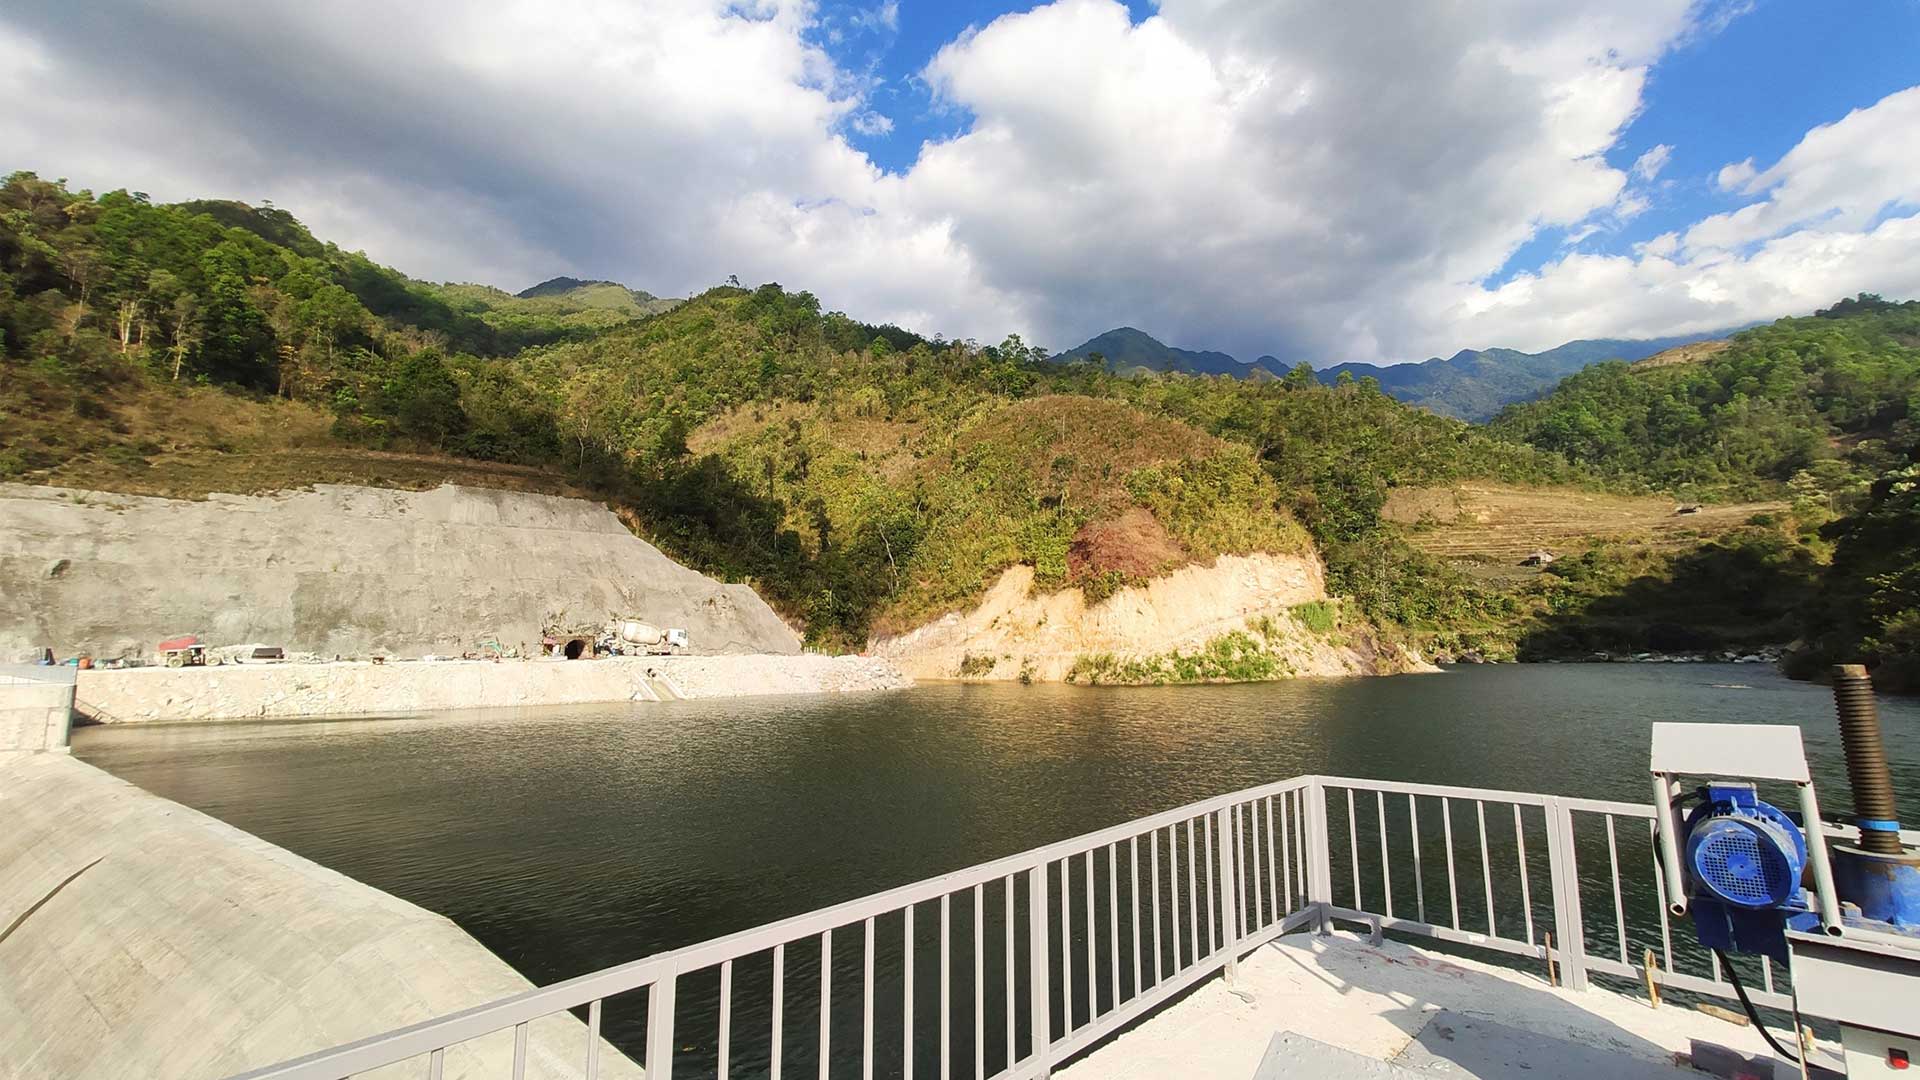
{"points": [[1845, 915]]}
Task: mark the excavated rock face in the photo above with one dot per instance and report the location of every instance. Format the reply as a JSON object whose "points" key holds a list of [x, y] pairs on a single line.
{"points": [[344, 570], [1259, 612]]}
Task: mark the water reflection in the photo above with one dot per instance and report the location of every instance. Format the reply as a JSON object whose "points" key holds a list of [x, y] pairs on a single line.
{"points": [[566, 840]]}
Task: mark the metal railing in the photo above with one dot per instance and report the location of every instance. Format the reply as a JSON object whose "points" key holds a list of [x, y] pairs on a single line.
{"points": [[1062, 946]]}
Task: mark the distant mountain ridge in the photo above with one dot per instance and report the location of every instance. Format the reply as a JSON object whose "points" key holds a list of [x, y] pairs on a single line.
{"points": [[1472, 384], [1128, 351], [611, 295]]}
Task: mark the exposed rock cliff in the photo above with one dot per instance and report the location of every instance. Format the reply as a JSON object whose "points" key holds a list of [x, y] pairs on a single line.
{"points": [[344, 570], [1244, 617]]}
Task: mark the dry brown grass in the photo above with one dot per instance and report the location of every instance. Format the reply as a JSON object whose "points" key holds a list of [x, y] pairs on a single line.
{"points": [[1683, 354], [1134, 544], [188, 442], [1503, 524], [1086, 446]]}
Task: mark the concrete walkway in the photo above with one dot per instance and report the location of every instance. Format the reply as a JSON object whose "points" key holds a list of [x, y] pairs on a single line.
{"points": [[140, 939], [1424, 1011]]}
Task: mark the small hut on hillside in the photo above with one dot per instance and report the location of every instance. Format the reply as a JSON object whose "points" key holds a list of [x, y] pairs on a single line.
{"points": [[1542, 557]]}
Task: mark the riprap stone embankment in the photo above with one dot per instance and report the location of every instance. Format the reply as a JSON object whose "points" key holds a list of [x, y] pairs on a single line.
{"points": [[285, 691]]}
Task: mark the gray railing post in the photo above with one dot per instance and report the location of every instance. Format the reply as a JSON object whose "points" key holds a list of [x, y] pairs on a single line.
{"points": [[1040, 972], [1569, 937], [1225, 821], [1319, 856]]}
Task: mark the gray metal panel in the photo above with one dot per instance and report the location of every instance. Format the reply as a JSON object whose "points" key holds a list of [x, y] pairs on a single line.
{"points": [[1870, 987], [1747, 751]]}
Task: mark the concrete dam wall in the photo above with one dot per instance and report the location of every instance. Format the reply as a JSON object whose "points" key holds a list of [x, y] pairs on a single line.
{"points": [[344, 570], [140, 939]]}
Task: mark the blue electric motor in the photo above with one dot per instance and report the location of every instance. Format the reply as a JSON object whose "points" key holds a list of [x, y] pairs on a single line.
{"points": [[1744, 859]]}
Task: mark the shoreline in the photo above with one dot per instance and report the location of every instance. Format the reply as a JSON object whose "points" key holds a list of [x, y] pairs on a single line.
{"points": [[355, 688]]}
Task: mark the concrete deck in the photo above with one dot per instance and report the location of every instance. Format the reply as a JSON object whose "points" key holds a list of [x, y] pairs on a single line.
{"points": [[144, 940], [1427, 1013]]}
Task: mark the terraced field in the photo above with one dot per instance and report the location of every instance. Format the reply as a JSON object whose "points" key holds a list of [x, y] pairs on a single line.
{"points": [[1500, 525]]}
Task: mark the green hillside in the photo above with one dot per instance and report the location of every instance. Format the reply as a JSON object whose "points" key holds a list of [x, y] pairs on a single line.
{"points": [[865, 478], [1817, 405], [861, 476], [1822, 412]]}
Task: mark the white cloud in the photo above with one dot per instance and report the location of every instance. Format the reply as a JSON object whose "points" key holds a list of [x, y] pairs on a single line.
{"points": [[883, 17], [1834, 220], [1648, 165], [1735, 176], [1255, 175], [1843, 175]]}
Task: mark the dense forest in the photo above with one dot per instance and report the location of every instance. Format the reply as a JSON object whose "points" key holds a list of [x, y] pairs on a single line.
{"points": [[1823, 411], [865, 477], [1815, 405]]}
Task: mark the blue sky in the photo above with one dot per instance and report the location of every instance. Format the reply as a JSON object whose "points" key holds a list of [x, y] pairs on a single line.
{"points": [[1372, 180], [1750, 90]]}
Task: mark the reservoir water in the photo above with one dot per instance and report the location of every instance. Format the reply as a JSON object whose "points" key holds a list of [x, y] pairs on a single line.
{"points": [[566, 841]]}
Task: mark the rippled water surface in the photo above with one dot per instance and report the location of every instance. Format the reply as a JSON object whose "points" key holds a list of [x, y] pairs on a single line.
{"points": [[569, 840]]}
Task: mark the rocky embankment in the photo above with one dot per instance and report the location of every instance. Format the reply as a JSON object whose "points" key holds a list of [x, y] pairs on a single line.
{"points": [[1243, 617], [344, 570], [285, 691]]}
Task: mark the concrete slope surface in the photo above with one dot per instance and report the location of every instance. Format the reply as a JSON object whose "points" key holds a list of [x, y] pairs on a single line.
{"points": [[147, 941], [344, 570]]}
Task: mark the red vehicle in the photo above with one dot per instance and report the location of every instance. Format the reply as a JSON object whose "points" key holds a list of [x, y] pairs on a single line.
{"points": [[183, 651]]}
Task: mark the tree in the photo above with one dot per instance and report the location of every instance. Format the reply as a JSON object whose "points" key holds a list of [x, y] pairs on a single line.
{"points": [[187, 330]]}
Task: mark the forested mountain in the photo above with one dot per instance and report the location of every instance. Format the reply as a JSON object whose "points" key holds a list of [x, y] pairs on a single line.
{"points": [[1820, 405], [1472, 384], [1823, 411], [865, 478], [607, 295], [1126, 351], [859, 475]]}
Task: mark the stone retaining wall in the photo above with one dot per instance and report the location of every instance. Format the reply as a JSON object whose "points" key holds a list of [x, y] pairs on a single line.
{"points": [[285, 691]]}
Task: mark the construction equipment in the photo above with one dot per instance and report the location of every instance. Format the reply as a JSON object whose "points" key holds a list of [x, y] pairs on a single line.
{"points": [[631, 637], [183, 651]]}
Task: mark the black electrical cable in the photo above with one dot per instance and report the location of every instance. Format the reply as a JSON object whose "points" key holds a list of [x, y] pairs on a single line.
{"points": [[1740, 991]]}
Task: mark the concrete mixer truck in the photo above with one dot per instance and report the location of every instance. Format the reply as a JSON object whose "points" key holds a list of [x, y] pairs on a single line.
{"points": [[631, 637]]}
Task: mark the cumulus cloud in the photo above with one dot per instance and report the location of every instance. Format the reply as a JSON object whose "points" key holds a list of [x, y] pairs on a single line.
{"points": [[1844, 175], [1255, 175], [1834, 218], [1735, 176]]}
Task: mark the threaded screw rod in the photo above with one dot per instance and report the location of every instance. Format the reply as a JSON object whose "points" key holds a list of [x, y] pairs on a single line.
{"points": [[1866, 758]]}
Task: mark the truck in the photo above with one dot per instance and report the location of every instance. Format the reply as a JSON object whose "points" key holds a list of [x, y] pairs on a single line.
{"points": [[631, 637]]}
